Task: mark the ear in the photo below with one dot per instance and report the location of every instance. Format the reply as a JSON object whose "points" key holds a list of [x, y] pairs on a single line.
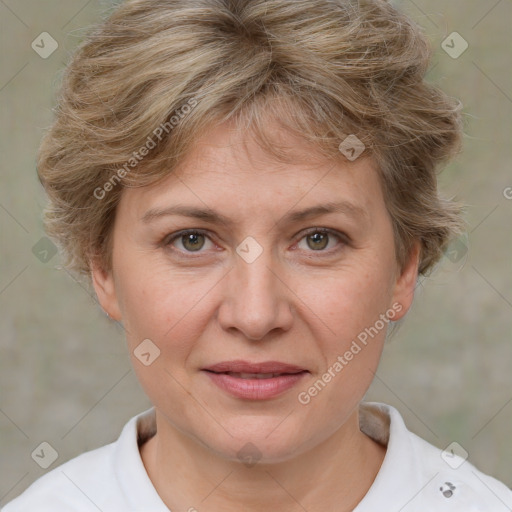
{"points": [[104, 285], [406, 283]]}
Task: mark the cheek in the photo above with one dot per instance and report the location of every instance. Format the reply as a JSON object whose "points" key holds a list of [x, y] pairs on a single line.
{"points": [[171, 310], [350, 300], [168, 307], [351, 307]]}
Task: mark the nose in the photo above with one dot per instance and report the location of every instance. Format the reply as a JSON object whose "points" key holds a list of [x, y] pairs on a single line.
{"points": [[256, 299]]}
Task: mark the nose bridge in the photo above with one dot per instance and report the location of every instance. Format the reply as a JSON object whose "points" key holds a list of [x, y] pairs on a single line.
{"points": [[253, 268], [256, 299]]}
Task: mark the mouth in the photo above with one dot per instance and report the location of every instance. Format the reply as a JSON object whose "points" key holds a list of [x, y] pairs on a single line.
{"points": [[242, 367], [240, 375], [255, 381]]}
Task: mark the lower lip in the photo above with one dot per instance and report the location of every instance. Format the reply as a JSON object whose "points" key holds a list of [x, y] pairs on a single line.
{"points": [[255, 389]]}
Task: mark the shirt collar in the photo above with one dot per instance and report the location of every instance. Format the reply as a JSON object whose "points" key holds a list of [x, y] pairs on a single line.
{"points": [[396, 478], [129, 468]]}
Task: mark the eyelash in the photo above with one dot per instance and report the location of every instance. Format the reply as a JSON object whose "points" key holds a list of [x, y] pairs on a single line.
{"points": [[168, 240]]}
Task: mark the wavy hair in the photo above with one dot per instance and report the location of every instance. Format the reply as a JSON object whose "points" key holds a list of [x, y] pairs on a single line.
{"points": [[155, 73]]}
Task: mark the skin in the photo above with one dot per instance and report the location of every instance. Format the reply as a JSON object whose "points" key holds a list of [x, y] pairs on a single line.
{"points": [[295, 303]]}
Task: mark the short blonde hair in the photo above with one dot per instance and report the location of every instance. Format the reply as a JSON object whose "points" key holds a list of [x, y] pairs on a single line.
{"points": [[157, 73]]}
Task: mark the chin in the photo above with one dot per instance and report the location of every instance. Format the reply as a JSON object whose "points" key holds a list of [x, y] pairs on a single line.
{"points": [[256, 441]]}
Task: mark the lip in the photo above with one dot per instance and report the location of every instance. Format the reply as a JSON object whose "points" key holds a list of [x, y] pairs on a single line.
{"points": [[241, 366], [255, 388]]}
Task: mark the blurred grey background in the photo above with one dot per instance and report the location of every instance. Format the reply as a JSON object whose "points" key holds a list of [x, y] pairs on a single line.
{"points": [[65, 375]]}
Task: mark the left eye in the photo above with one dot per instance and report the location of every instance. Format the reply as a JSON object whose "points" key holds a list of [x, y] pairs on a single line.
{"points": [[192, 241], [318, 239]]}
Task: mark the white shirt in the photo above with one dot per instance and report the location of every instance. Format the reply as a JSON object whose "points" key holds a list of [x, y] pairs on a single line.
{"points": [[414, 476]]}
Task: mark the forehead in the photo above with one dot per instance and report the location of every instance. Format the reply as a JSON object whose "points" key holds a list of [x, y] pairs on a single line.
{"points": [[230, 171]]}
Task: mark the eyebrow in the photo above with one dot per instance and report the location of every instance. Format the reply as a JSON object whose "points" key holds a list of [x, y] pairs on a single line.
{"points": [[209, 215]]}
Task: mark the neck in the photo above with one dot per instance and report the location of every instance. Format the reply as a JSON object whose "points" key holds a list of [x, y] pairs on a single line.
{"points": [[333, 475]]}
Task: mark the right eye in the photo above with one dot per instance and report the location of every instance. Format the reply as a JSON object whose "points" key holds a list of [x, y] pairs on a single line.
{"points": [[192, 240]]}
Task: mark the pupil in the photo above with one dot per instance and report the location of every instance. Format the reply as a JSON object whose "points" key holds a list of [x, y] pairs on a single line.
{"points": [[192, 239], [319, 237]]}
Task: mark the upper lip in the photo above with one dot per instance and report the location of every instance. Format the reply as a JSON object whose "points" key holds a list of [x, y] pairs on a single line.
{"points": [[240, 366]]}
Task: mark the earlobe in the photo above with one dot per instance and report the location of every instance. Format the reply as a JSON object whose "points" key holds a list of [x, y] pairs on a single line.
{"points": [[406, 282], [103, 282]]}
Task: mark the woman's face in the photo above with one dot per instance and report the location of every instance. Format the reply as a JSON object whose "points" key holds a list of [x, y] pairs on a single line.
{"points": [[264, 284]]}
